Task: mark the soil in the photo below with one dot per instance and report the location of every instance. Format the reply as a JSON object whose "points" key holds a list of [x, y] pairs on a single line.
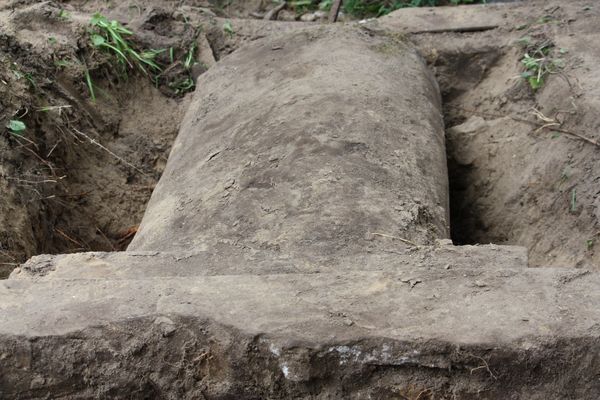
{"points": [[510, 183], [80, 176]]}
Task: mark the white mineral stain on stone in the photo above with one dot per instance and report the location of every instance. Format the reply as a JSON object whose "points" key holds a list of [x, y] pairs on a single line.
{"points": [[286, 370], [274, 350], [347, 353]]}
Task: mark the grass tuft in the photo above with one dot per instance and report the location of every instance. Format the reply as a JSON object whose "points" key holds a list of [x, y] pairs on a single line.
{"points": [[112, 37], [171, 66]]}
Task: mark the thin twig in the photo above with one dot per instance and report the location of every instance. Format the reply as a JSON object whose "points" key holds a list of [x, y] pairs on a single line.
{"points": [[96, 143], [422, 392], [42, 160], [25, 139], [534, 123], [53, 147], [484, 366], [70, 239], [105, 238], [272, 14], [7, 255], [396, 237], [51, 108], [335, 10], [18, 180]]}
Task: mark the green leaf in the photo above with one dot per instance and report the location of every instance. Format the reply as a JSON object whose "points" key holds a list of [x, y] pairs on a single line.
{"points": [[98, 40], [90, 84], [227, 27], [536, 83], [16, 126], [97, 19]]}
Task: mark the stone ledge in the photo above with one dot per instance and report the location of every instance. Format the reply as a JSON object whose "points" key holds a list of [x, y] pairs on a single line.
{"points": [[227, 259], [423, 296], [103, 324]]}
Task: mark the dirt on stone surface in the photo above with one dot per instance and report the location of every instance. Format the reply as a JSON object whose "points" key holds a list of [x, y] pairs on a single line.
{"points": [[511, 182], [334, 155]]}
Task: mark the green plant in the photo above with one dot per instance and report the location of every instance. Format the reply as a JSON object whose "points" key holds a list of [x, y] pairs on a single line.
{"points": [[228, 28], [172, 69], [111, 36], [64, 14], [183, 85], [62, 63], [20, 74], [16, 126], [325, 5], [90, 84], [190, 58], [539, 62], [573, 207]]}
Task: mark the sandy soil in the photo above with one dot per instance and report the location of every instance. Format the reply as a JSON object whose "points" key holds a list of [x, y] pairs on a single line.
{"points": [[513, 182]]}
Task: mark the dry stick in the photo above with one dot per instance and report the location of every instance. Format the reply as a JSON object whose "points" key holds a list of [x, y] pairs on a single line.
{"points": [[70, 239], [272, 14], [422, 392], [53, 147], [335, 10], [7, 255], [484, 366], [18, 180], [526, 121], [105, 238], [94, 142], [42, 160], [395, 237]]}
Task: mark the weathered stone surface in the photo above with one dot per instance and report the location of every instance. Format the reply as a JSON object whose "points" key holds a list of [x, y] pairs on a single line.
{"points": [[448, 19], [352, 143], [231, 260], [452, 320]]}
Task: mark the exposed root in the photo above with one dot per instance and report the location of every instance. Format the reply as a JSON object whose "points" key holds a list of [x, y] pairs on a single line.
{"points": [[555, 125], [396, 237], [485, 366], [96, 143]]}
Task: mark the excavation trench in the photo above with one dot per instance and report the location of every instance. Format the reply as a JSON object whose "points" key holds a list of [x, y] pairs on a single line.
{"points": [[92, 195], [296, 247], [99, 205]]}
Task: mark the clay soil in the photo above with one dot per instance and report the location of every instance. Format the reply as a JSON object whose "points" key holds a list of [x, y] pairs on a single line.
{"points": [[79, 177]]}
